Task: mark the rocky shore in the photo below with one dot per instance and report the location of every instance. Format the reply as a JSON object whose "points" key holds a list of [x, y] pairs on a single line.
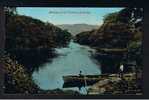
{"points": [[110, 60], [113, 84]]}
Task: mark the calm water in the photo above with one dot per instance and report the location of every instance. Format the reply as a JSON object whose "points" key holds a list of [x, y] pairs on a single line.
{"points": [[71, 61]]}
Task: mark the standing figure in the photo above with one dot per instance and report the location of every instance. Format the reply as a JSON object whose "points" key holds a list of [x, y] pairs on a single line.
{"points": [[80, 85], [80, 74], [121, 70]]}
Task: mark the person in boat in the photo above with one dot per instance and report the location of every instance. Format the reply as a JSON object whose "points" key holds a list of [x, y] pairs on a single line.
{"points": [[121, 70], [83, 84], [80, 74], [80, 86]]}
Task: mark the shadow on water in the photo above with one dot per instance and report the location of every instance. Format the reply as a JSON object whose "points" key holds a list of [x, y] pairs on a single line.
{"points": [[32, 59]]}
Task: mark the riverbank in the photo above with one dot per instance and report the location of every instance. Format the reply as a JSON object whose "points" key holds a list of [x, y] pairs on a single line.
{"points": [[114, 85], [110, 60]]}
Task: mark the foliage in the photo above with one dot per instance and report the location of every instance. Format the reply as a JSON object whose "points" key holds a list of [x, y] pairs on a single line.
{"points": [[121, 30], [30, 42], [117, 31], [31, 39], [10, 11], [109, 35], [83, 37], [130, 15], [16, 79], [26, 32], [111, 18]]}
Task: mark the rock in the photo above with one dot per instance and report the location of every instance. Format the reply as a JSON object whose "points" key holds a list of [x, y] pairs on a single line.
{"points": [[112, 84]]}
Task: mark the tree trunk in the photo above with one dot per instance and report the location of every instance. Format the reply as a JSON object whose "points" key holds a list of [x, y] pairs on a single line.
{"points": [[2, 28], [2, 45]]}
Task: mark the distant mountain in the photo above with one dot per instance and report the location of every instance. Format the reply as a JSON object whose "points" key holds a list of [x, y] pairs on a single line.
{"points": [[77, 28]]}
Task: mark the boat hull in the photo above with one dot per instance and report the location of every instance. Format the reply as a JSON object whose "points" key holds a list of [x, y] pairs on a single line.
{"points": [[79, 81]]}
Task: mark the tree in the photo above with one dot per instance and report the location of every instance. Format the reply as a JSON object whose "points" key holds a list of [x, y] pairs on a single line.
{"points": [[2, 28], [131, 15], [10, 11], [111, 18], [134, 16]]}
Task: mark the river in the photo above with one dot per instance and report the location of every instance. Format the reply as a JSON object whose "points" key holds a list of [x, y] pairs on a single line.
{"points": [[71, 61]]}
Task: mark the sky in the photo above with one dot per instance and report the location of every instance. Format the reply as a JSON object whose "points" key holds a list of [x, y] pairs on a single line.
{"points": [[60, 15]]}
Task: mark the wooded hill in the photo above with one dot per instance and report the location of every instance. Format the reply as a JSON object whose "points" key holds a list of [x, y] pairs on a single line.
{"points": [[117, 30], [121, 31], [31, 41], [26, 32]]}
